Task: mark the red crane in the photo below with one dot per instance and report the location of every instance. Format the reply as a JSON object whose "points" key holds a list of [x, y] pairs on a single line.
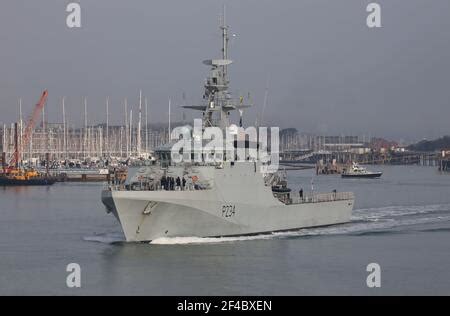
{"points": [[28, 130]]}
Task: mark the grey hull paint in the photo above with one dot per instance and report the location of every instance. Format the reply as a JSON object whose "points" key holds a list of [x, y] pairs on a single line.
{"points": [[148, 215]]}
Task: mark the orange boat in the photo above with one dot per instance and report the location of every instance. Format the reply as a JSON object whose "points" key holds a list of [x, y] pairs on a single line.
{"points": [[25, 177]]}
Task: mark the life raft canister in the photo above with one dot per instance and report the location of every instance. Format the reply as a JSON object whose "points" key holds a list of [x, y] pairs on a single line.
{"points": [[280, 189]]}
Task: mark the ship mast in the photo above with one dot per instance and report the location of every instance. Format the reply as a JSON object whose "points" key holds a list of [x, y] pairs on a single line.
{"points": [[224, 28], [217, 100]]}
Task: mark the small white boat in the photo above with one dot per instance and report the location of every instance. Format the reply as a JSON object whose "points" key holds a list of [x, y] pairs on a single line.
{"points": [[356, 171]]}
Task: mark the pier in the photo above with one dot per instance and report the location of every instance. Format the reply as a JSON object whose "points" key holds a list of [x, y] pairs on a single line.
{"points": [[84, 176], [335, 162]]}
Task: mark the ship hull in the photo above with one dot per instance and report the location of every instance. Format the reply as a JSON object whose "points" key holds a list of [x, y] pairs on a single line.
{"points": [[368, 175], [238, 203], [144, 219], [4, 181]]}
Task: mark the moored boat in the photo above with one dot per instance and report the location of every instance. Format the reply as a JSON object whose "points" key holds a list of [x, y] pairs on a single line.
{"points": [[25, 177]]}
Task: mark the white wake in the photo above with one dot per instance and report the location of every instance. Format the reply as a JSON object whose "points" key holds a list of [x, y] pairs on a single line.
{"points": [[363, 220]]}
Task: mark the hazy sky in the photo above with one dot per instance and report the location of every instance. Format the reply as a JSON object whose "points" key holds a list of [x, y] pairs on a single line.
{"points": [[328, 72]]}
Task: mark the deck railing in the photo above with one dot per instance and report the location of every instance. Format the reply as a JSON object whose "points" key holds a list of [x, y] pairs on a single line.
{"points": [[321, 197], [155, 186]]}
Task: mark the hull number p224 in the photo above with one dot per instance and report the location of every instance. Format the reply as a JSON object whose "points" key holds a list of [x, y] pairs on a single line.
{"points": [[228, 210]]}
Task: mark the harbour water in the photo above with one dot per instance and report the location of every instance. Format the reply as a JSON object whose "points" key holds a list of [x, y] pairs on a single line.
{"points": [[401, 222]]}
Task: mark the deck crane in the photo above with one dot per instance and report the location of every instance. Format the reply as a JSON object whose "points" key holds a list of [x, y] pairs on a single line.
{"points": [[13, 162]]}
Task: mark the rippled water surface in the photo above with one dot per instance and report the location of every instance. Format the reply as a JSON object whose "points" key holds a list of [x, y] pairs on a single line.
{"points": [[401, 221]]}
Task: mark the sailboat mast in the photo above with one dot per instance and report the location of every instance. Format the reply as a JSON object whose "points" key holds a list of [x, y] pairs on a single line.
{"points": [[107, 127], [20, 129], [266, 95], [146, 126], [64, 128], [85, 141], [43, 142], [126, 127], [169, 120], [131, 131], [139, 125]]}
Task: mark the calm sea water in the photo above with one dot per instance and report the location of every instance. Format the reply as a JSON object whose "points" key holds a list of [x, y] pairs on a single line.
{"points": [[401, 221]]}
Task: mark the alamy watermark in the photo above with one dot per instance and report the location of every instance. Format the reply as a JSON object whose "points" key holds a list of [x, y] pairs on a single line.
{"points": [[73, 279], [73, 19], [209, 145], [373, 280], [374, 17]]}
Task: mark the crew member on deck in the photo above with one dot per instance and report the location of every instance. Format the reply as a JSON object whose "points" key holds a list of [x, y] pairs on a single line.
{"points": [[183, 181], [163, 183]]}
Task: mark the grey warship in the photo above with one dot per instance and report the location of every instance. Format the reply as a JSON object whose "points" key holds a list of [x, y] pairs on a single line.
{"points": [[231, 198]]}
